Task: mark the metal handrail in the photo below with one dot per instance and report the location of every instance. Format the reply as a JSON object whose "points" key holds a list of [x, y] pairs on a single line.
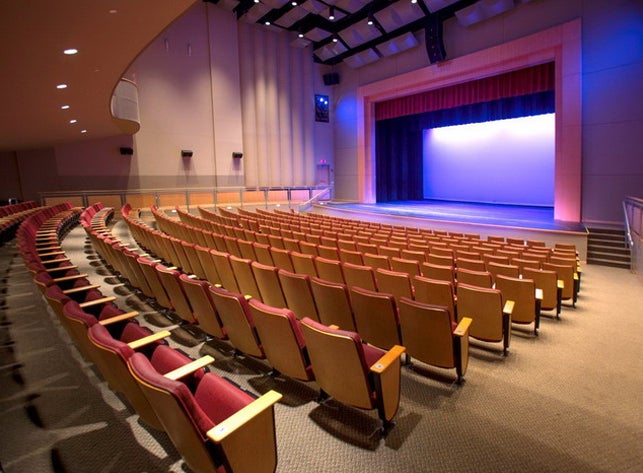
{"points": [[309, 203], [85, 195], [628, 229], [633, 210]]}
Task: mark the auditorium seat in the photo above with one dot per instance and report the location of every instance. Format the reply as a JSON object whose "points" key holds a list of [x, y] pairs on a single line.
{"points": [[436, 292], [267, 279], [304, 264], [237, 319], [376, 318], [491, 319], [203, 309], [474, 278], [329, 269], [431, 336], [359, 276], [112, 350], [282, 340], [352, 372], [551, 286], [244, 276], [213, 424], [298, 294], [394, 282], [527, 299], [333, 303]]}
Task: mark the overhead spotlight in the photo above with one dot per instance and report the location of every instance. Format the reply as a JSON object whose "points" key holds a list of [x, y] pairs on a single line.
{"points": [[414, 1], [70, 51], [370, 19], [294, 3], [267, 23], [331, 15], [300, 34], [335, 38]]}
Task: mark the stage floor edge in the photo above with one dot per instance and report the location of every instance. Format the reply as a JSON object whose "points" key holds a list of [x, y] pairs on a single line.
{"points": [[529, 223]]}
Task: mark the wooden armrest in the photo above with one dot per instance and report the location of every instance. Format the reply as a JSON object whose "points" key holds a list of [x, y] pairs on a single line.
{"points": [[193, 276], [141, 342], [242, 416], [119, 318], [334, 327], [560, 284], [463, 327], [576, 276], [78, 289], [51, 253], [58, 260], [101, 300], [508, 308], [247, 297], [70, 278], [61, 268], [189, 368], [387, 359], [539, 294]]}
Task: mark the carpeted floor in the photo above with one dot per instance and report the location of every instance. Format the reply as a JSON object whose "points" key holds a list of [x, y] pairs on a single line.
{"points": [[565, 401]]}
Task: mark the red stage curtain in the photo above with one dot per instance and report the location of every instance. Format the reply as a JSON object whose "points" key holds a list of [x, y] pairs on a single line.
{"points": [[511, 84]]}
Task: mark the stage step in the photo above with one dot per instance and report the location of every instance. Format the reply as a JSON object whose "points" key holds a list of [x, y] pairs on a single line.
{"points": [[607, 247]]}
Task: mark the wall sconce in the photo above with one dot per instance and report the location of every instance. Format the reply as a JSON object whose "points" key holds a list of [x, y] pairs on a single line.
{"points": [[237, 155], [186, 153]]}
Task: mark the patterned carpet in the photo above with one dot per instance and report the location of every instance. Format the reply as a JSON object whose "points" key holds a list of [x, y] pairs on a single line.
{"points": [[565, 401]]}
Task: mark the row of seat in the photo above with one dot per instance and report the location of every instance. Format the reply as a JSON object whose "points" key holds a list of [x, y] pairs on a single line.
{"points": [[11, 216], [350, 232], [209, 420], [439, 263], [557, 282], [322, 297], [275, 334]]}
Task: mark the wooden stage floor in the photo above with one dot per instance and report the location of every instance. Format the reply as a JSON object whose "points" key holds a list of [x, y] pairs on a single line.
{"points": [[528, 222]]}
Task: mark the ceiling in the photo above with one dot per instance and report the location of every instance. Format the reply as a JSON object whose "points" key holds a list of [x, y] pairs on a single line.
{"points": [[358, 32], [109, 34]]}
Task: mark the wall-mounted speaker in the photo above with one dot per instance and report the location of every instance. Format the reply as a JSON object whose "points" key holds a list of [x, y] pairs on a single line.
{"points": [[433, 39], [331, 78], [237, 155], [126, 150], [186, 153]]}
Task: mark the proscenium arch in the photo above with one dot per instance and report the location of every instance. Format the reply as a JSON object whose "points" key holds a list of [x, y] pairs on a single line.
{"points": [[560, 44]]}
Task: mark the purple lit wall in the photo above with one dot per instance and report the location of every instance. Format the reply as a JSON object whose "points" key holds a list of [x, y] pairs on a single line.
{"points": [[504, 161]]}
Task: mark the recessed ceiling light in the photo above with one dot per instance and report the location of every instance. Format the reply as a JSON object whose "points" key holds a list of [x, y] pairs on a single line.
{"points": [[113, 11], [83, 131], [70, 51], [73, 120], [267, 23], [65, 107], [61, 86]]}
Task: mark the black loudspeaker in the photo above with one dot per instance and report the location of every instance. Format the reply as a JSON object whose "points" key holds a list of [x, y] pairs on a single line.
{"points": [[331, 78], [433, 39], [237, 155], [126, 151]]}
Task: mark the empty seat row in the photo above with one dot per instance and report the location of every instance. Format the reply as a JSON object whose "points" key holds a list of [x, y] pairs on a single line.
{"points": [[171, 392]]}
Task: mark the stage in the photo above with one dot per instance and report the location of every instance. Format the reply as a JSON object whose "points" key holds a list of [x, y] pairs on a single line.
{"points": [[527, 222]]}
